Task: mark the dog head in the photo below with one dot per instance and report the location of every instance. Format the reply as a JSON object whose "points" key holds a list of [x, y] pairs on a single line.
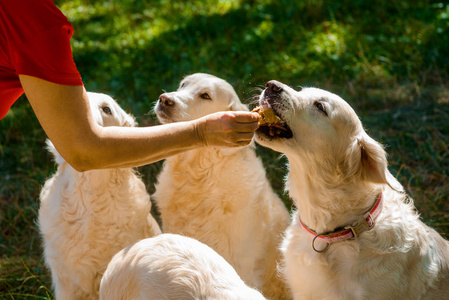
{"points": [[326, 136], [106, 112], [198, 95]]}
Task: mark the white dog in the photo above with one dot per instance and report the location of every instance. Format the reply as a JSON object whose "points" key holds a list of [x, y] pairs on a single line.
{"points": [[172, 266], [354, 235], [221, 196], [86, 218]]}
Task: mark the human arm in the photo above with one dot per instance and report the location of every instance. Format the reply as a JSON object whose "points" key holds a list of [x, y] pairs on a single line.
{"points": [[64, 113]]}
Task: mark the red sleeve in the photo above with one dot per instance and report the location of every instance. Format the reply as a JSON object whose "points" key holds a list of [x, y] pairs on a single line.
{"points": [[35, 39], [48, 56]]}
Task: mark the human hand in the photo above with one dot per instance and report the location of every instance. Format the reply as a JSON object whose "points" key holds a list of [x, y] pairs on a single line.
{"points": [[227, 129]]}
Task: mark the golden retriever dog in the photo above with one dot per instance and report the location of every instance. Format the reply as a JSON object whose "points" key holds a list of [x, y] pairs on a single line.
{"points": [[355, 234], [172, 266], [221, 196], [87, 217]]}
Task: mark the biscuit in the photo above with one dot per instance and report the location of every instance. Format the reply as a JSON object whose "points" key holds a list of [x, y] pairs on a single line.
{"points": [[267, 115]]}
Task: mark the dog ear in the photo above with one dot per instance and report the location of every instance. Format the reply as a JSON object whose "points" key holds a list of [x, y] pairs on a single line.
{"points": [[373, 160], [129, 121], [56, 156], [236, 104], [367, 159]]}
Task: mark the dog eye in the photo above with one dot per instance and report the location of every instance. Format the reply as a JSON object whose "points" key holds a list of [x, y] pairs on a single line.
{"points": [[182, 85], [321, 107], [205, 96], [106, 110]]}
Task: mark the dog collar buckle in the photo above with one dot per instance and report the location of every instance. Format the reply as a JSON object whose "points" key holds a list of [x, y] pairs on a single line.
{"points": [[353, 231], [366, 223], [370, 221]]}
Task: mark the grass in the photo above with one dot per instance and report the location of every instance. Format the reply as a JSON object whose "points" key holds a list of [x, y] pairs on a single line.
{"points": [[389, 60]]}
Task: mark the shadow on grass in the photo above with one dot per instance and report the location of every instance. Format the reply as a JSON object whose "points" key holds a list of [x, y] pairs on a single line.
{"points": [[326, 43], [24, 278]]}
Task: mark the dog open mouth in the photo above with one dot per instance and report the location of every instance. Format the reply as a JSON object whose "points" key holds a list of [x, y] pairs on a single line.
{"points": [[271, 125]]}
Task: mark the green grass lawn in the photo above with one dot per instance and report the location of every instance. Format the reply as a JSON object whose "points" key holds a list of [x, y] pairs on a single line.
{"points": [[388, 59]]}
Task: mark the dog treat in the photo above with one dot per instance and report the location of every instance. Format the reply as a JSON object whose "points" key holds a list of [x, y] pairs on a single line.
{"points": [[267, 115]]}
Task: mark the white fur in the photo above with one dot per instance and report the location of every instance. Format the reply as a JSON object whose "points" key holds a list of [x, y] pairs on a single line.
{"points": [[85, 218], [336, 173], [220, 196], [172, 266]]}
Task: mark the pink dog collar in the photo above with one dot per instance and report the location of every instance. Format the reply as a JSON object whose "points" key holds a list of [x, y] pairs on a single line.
{"points": [[349, 232]]}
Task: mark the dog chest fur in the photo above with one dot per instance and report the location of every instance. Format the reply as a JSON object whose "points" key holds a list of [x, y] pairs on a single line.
{"points": [[203, 194]]}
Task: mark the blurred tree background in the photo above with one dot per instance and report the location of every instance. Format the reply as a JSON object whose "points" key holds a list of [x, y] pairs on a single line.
{"points": [[388, 59]]}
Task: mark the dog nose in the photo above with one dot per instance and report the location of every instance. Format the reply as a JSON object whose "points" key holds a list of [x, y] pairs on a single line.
{"points": [[273, 87], [164, 100]]}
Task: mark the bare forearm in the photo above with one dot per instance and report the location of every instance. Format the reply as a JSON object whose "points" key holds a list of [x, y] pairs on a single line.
{"points": [[114, 147], [65, 115]]}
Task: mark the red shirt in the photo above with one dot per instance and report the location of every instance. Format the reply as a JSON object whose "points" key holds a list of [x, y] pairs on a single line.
{"points": [[34, 40]]}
